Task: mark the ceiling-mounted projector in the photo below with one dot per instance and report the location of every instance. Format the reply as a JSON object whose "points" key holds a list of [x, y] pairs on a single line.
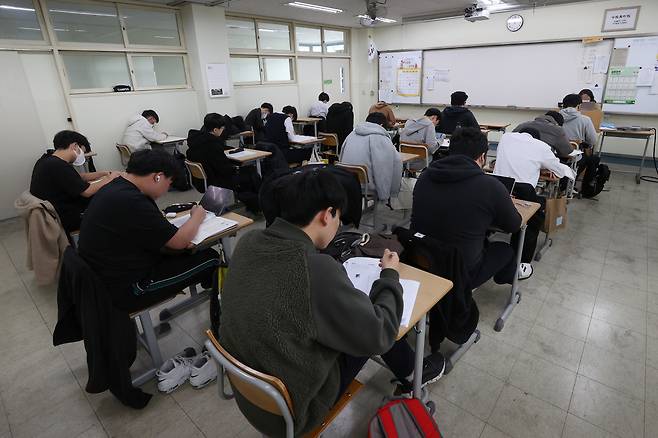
{"points": [[476, 12]]}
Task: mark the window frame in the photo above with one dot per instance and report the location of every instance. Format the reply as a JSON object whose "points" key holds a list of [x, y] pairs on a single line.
{"points": [[243, 50], [346, 42], [133, 76], [73, 45], [44, 41], [293, 70], [75, 91], [260, 70], [150, 47], [299, 52], [258, 21]]}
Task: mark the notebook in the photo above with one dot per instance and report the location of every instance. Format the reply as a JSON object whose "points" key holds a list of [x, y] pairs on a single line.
{"points": [[211, 226]]}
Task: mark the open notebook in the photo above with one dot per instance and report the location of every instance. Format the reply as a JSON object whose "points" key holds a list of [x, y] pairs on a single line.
{"points": [[364, 271], [210, 226]]}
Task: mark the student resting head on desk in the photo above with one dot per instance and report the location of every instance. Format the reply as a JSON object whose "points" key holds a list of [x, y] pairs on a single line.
{"points": [[293, 313], [124, 233], [140, 132], [550, 131], [55, 180], [456, 203]]}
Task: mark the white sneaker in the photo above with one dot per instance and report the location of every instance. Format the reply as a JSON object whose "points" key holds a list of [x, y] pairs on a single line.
{"points": [[525, 271], [203, 370], [175, 371]]}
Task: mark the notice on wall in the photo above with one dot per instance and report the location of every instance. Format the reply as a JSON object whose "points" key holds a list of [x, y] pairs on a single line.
{"points": [[645, 76], [622, 85], [400, 77], [619, 57], [217, 79]]}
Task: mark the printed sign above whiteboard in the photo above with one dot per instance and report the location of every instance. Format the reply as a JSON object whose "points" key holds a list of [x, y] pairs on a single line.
{"points": [[400, 76]]}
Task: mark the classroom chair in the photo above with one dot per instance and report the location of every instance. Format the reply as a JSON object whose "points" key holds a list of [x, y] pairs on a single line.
{"points": [[196, 171], [368, 195], [268, 392], [420, 150], [149, 340], [124, 154], [330, 143]]}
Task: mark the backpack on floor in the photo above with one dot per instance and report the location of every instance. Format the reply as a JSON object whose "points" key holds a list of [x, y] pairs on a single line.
{"points": [[596, 175], [403, 418], [182, 178]]}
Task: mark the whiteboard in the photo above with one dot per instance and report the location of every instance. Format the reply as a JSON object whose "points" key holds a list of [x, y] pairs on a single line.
{"points": [[400, 76], [536, 75], [642, 52]]}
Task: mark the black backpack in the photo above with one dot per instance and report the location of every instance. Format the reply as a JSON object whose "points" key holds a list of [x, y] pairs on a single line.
{"points": [[182, 178], [596, 175]]}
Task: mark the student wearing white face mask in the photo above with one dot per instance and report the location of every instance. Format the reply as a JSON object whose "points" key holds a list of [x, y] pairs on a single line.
{"points": [[54, 179]]}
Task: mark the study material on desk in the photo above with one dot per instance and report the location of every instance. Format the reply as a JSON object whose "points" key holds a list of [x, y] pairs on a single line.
{"points": [[171, 139], [210, 226], [304, 139], [364, 271], [242, 154]]}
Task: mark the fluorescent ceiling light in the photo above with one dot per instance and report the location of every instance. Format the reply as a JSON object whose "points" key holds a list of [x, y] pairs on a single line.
{"points": [[164, 37], [317, 8], [380, 19], [16, 8], [266, 30], [30, 28], [95, 14]]}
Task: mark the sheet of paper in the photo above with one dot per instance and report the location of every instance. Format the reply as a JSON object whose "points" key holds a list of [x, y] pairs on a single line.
{"points": [[241, 154], [601, 63], [210, 226], [364, 271], [303, 138], [443, 75], [619, 57], [645, 76], [217, 80]]}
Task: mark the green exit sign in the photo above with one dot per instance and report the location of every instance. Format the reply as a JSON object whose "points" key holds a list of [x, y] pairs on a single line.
{"points": [[328, 82]]}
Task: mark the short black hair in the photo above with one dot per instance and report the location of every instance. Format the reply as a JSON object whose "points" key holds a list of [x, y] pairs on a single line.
{"points": [[532, 131], [290, 110], [433, 112], [468, 141], [559, 118], [323, 97], [63, 139], [268, 106], [458, 98], [301, 195], [378, 118], [571, 101], [149, 161], [150, 113], [212, 121], [589, 93]]}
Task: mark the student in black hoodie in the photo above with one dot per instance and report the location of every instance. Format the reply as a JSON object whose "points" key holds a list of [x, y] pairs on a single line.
{"points": [[455, 202], [457, 115]]}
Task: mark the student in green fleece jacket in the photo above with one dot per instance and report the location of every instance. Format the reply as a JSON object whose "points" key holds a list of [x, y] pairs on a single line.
{"points": [[291, 312]]}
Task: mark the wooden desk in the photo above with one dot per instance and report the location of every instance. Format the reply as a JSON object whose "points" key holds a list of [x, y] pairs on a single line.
{"points": [[432, 289], [170, 143], [314, 142], [242, 135], [494, 126], [646, 135], [90, 154], [219, 237], [302, 121], [408, 157], [255, 157]]}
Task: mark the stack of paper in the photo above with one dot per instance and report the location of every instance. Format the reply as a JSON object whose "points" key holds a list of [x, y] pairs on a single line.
{"points": [[364, 271], [242, 154], [211, 226]]}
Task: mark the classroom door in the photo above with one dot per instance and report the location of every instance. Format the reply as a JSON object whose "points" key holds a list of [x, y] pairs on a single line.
{"points": [[336, 79], [310, 83]]}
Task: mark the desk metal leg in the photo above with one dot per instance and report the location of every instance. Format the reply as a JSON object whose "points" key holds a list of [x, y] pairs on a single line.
{"points": [[601, 146], [194, 300], [258, 168], [418, 361], [515, 295], [644, 155], [548, 242]]}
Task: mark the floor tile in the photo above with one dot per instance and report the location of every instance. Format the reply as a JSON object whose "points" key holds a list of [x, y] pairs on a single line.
{"points": [[536, 288], [554, 347], [620, 315], [456, 422], [544, 380], [528, 308], [622, 294], [491, 432], [521, 415], [625, 342], [609, 409], [578, 428], [576, 282], [515, 332], [613, 370], [652, 386], [652, 351], [652, 324], [572, 300], [492, 356], [563, 320], [622, 275], [651, 420]]}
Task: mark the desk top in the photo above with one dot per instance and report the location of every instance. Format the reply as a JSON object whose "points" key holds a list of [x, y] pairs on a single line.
{"points": [[432, 289], [243, 134], [307, 141], [171, 139], [627, 133], [494, 126], [526, 209], [90, 154], [211, 240], [408, 157], [256, 155], [307, 120]]}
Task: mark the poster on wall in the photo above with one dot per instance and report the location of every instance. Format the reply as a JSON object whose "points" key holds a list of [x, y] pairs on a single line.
{"points": [[217, 78], [400, 77], [622, 85], [620, 19]]}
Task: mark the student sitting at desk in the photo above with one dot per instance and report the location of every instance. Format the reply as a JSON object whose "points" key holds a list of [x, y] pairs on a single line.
{"points": [[384, 108], [280, 131], [370, 145], [455, 202], [340, 121], [457, 115], [577, 126], [140, 132], [586, 95], [522, 156], [55, 180], [551, 132], [124, 232], [423, 130], [321, 107], [293, 313], [257, 119]]}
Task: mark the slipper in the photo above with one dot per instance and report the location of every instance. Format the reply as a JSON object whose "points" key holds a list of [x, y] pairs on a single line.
{"points": [[525, 271]]}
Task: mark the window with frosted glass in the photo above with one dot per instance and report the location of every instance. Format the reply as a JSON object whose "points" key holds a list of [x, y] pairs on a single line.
{"points": [[278, 69], [334, 41], [245, 69], [85, 22], [308, 39], [273, 36], [241, 34], [87, 70], [18, 21], [151, 27], [159, 71]]}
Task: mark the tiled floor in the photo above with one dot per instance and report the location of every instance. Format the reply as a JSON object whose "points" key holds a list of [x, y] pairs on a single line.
{"points": [[577, 358]]}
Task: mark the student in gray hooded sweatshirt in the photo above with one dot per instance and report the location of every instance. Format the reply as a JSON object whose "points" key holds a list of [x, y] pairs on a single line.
{"points": [[423, 130], [370, 145], [576, 125]]}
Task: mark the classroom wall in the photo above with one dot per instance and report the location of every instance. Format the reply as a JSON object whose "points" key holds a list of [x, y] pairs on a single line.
{"points": [[540, 24]]}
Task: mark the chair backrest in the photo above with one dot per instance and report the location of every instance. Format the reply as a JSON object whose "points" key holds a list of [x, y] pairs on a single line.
{"points": [[330, 140], [124, 153], [574, 144], [421, 150], [596, 115], [360, 171], [196, 171], [263, 390]]}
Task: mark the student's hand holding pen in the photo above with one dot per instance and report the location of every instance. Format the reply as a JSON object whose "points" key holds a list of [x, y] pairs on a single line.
{"points": [[390, 260]]}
